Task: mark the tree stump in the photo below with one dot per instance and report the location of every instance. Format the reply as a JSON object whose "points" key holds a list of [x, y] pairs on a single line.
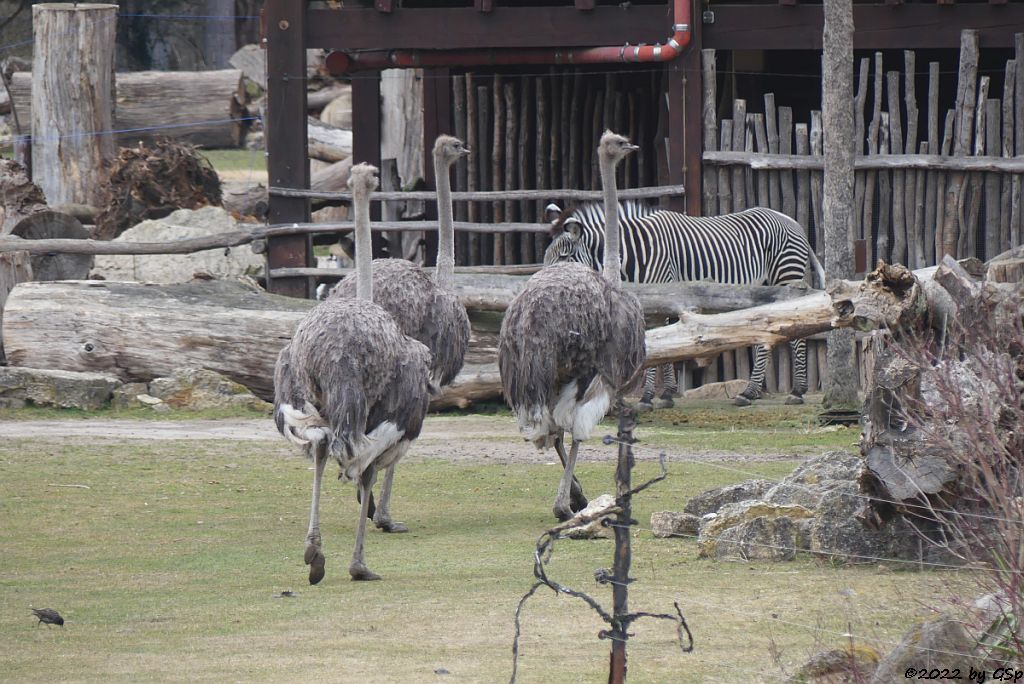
{"points": [[72, 117], [15, 267], [21, 197]]}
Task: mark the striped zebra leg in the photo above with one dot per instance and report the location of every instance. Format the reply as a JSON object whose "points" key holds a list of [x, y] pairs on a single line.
{"points": [[799, 348], [755, 386], [669, 386], [646, 402]]}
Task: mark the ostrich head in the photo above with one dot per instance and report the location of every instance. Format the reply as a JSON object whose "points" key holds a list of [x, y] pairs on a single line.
{"points": [[362, 179], [449, 149], [615, 147]]}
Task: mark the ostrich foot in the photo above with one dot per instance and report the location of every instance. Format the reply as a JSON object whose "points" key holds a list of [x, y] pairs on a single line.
{"points": [[360, 573], [315, 560], [392, 526], [741, 400], [562, 513], [579, 502]]}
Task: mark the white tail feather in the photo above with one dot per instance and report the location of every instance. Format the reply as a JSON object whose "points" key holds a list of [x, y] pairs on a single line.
{"points": [[303, 427]]}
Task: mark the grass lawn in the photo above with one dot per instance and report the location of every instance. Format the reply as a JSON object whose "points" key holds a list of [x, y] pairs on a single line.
{"points": [[166, 566]]}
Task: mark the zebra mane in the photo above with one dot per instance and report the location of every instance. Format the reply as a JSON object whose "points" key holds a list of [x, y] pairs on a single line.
{"points": [[628, 206]]}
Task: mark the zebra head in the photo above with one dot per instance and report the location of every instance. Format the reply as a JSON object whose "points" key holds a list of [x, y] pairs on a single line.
{"points": [[567, 232]]}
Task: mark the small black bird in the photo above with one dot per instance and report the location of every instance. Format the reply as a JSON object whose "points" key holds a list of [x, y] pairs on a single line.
{"points": [[49, 616]]}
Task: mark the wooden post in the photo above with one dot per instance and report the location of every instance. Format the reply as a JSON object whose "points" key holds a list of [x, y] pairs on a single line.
{"points": [[72, 99], [437, 119], [287, 141], [623, 554], [691, 129], [366, 136], [837, 105]]}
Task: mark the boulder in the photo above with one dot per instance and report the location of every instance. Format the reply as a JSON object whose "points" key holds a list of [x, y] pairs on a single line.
{"points": [[179, 268], [942, 643], [712, 500], [200, 389], [854, 663], [668, 524], [714, 525], [806, 485], [838, 532], [127, 395], [716, 390], [594, 529], [64, 389], [763, 538]]}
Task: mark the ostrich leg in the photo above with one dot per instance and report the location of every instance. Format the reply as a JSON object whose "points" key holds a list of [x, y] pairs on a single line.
{"points": [[314, 556], [579, 500], [562, 509], [357, 568], [382, 516]]}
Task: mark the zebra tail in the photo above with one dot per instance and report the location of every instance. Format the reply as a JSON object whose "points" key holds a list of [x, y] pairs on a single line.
{"points": [[818, 269]]}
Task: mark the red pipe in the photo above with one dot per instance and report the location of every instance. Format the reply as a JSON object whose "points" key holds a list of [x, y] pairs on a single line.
{"points": [[341, 62]]}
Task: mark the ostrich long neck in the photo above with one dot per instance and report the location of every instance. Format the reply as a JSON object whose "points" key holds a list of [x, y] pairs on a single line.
{"points": [[364, 248], [612, 258], [444, 276]]}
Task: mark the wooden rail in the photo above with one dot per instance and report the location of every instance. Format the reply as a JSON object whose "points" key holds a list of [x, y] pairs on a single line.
{"points": [[934, 162], [486, 195]]}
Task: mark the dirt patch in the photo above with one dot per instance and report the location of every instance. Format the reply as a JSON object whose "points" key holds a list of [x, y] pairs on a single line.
{"points": [[480, 439]]}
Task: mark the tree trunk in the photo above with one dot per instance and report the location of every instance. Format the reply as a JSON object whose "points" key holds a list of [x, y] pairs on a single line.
{"points": [[219, 37], [328, 143], [72, 116], [140, 331], [837, 106], [21, 197], [217, 98]]}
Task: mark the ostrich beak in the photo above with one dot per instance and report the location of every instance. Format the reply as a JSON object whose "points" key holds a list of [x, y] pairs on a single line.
{"points": [[631, 147], [466, 151]]}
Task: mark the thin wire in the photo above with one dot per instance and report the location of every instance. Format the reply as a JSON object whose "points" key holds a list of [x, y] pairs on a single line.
{"points": [[113, 131], [925, 508], [196, 17]]}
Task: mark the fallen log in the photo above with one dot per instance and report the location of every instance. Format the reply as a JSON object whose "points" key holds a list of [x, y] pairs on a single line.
{"points": [[15, 268], [216, 114], [328, 143]]}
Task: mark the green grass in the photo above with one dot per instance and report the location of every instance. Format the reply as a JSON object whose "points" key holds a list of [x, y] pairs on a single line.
{"points": [[166, 566], [236, 160], [135, 413]]}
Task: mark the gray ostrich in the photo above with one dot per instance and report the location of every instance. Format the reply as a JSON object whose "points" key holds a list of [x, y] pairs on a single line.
{"points": [[572, 341], [352, 386], [424, 309]]}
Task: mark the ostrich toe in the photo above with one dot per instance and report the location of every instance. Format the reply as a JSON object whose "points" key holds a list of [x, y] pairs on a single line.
{"points": [[360, 573]]}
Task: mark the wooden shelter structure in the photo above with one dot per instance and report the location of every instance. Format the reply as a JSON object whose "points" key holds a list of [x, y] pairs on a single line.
{"points": [[655, 45]]}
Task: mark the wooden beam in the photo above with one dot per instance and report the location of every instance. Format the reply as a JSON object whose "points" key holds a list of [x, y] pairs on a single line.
{"points": [[693, 125], [876, 27], [502, 27], [437, 119], [366, 135], [287, 164]]}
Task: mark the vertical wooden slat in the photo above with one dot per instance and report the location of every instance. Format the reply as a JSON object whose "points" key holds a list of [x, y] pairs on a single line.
{"points": [[803, 182], [940, 198], [511, 142], [1016, 214], [968, 243], [724, 175], [761, 144], [992, 219], [544, 144], [484, 131], [739, 128], [860, 99], [574, 123], [523, 174], [964, 126], [748, 175], [899, 219], [498, 163], [1006, 150], [710, 122], [596, 129], [786, 147], [919, 207], [813, 383], [871, 177], [461, 169], [884, 194], [818, 184], [472, 239], [914, 211], [437, 120], [772, 126], [632, 171], [934, 146], [591, 121]]}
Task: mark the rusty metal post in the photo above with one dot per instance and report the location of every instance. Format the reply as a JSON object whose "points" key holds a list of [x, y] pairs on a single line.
{"points": [[623, 554]]}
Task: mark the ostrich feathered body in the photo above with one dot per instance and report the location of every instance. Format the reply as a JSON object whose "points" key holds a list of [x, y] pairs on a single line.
{"points": [[422, 310], [350, 377], [570, 343]]}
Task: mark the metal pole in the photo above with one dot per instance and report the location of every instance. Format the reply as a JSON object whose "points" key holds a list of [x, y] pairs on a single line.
{"points": [[620, 569]]}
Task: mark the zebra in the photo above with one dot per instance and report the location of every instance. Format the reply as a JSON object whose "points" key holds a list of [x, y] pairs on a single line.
{"points": [[758, 246]]}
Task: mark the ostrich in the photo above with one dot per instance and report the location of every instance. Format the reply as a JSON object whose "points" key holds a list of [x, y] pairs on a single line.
{"points": [[352, 386], [424, 309], [570, 342]]}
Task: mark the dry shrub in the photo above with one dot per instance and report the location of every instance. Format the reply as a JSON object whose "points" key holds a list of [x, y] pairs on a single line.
{"points": [[152, 180]]}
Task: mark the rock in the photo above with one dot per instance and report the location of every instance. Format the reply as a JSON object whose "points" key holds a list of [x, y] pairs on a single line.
{"points": [[806, 485], [838, 532], [763, 538], [161, 408], [200, 389], [178, 268], [593, 530], [64, 389], [127, 395], [716, 390], [668, 524], [732, 515], [838, 666], [711, 500], [942, 643], [148, 400]]}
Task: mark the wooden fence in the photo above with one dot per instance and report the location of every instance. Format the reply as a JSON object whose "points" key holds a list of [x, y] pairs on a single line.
{"points": [[918, 194]]}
